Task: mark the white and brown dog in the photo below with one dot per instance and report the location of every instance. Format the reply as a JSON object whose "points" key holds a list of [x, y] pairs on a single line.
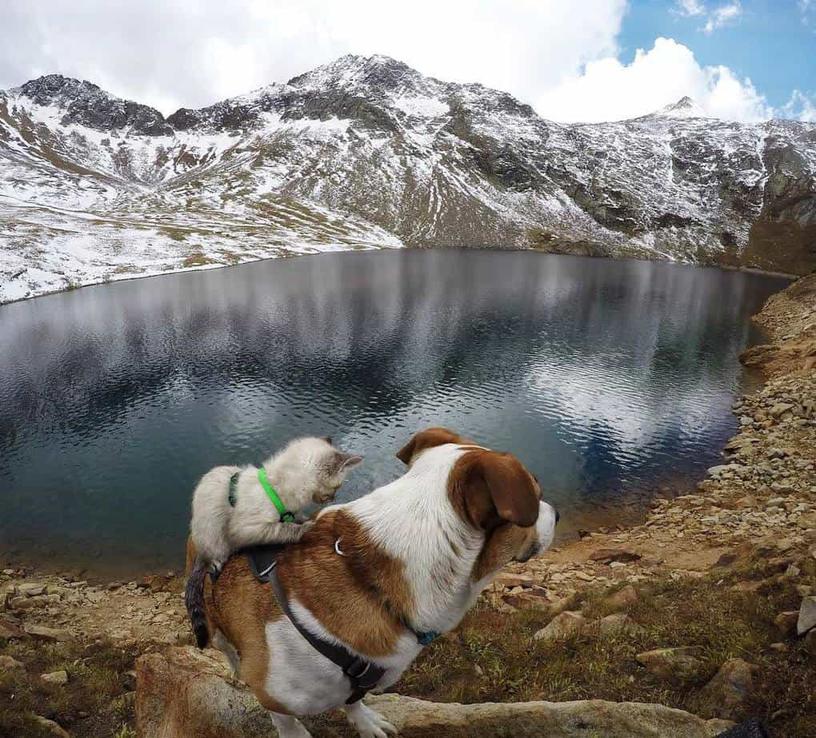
{"points": [[410, 557]]}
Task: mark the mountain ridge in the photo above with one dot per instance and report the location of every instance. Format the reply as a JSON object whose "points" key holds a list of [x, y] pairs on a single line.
{"points": [[367, 152]]}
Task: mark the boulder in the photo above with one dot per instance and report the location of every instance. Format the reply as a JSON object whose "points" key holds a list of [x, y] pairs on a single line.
{"points": [[726, 694], [9, 630], [31, 589], [618, 624], [673, 664], [562, 626], [7, 664], [807, 615], [56, 677], [810, 642], [786, 621], [608, 555], [508, 580], [51, 727], [415, 718], [185, 693], [44, 633], [622, 599]]}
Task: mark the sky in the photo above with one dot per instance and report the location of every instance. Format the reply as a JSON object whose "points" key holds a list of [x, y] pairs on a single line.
{"points": [[572, 60]]}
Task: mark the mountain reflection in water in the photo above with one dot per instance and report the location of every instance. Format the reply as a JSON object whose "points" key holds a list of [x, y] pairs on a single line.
{"points": [[600, 375]]}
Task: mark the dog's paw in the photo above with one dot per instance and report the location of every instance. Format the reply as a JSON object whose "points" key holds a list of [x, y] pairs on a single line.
{"points": [[369, 723]]}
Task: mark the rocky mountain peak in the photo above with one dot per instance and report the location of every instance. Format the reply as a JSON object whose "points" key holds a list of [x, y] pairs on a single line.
{"points": [[685, 107], [84, 103], [352, 70], [51, 88]]}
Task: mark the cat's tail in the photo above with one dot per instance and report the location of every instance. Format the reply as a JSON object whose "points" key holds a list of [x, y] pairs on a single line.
{"points": [[194, 601]]}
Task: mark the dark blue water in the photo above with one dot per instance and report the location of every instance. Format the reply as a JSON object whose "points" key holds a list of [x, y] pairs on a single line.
{"points": [[605, 377]]}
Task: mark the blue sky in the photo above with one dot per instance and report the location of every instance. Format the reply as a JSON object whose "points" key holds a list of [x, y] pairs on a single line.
{"points": [[772, 42], [572, 60]]}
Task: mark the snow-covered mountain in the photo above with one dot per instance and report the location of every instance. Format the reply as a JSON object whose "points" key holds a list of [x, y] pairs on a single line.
{"points": [[367, 152]]}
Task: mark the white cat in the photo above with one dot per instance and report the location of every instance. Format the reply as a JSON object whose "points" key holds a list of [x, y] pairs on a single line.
{"points": [[234, 507]]}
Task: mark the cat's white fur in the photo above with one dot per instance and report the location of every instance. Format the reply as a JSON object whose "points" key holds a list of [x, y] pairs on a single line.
{"points": [[307, 470]]}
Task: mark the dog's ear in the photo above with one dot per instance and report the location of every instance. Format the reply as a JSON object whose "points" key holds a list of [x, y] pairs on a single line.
{"points": [[489, 487], [426, 439]]}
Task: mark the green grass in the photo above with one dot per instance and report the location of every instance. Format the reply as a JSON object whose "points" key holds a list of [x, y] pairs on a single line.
{"points": [[91, 705], [493, 657]]}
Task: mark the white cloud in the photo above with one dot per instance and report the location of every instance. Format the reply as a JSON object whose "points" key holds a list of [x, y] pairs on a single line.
{"points": [[715, 17], [800, 107], [690, 8], [170, 53], [723, 15], [610, 90]]}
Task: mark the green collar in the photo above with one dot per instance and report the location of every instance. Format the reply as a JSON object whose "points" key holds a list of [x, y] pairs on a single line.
{"points": [[285, 515]]}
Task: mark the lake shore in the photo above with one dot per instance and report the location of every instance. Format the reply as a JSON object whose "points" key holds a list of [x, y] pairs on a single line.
{"points": [[710, 584]]}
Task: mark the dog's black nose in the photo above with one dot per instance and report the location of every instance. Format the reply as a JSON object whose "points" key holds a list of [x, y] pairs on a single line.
{"points": [[557, 517]]}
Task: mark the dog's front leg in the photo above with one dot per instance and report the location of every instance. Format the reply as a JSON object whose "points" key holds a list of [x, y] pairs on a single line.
{"points": [[369, 723], [289, 726]]}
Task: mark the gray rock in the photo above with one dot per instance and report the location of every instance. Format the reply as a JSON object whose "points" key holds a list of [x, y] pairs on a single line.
{"points": [[8, 664], [673, 664], [31, 589], [56, 677], [562, 626], [726, 694], [51, 727], [619, 624], [807, 615], [187, 694], [44, 633]]}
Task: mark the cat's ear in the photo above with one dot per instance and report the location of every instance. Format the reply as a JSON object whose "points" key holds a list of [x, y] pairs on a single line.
{"points": [[328, 439], [346, 462]]}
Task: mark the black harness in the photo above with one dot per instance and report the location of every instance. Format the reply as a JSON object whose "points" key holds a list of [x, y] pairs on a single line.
{"points": [[363, 675]]}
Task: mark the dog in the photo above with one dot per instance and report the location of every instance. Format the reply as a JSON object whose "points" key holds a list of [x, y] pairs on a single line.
{"points": [[379, 577]]}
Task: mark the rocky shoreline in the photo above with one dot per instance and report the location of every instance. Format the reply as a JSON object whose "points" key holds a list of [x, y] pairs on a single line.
{"points": [[748, 531], [763, 495]]}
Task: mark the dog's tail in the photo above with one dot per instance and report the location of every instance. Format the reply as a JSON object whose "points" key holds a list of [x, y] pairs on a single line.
{"points": [[194, 601]]}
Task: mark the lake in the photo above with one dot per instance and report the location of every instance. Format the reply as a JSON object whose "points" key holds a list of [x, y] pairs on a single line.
{"points": [[609, 379]]}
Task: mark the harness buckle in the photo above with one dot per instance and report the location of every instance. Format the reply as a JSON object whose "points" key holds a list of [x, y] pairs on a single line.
{"points": [[357, 668]]}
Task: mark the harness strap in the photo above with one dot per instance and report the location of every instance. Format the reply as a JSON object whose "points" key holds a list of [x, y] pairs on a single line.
{"points": [[362, 674], [233, 489]]}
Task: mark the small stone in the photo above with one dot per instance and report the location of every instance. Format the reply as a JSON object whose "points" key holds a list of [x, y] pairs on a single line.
{"points": [[9, 630], [618, 623], [43, 633], [807, 615], [7, 663], [677, 664], [786, 622], [780, 409], [808, 520], [727, 692], [779, 647], [810, 643], [31, 589], [56, 677], [562, 626], [616, 564], [28, 603], [622, 599], [53, 728], [607, 555], [508, 581]]}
